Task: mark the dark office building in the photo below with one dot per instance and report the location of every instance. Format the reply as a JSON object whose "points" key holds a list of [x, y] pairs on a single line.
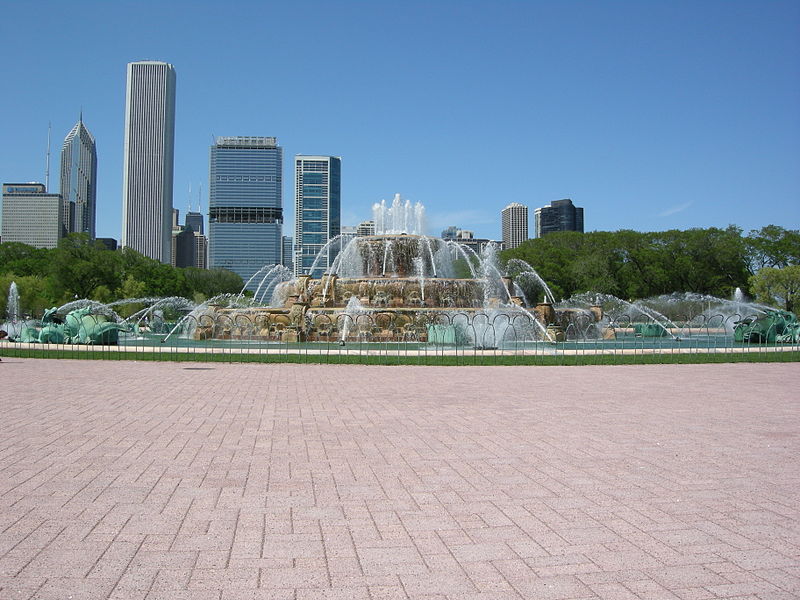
{"points": [[195, 221], [109, 243], [559, 215]]}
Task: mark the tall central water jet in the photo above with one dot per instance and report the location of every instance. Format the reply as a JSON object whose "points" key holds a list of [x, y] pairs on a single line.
{"points": [[399, 217]]}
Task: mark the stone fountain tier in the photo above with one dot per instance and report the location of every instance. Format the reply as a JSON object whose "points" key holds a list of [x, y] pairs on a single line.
{"points": [[390, 292], [390, 255], [300, 322]]}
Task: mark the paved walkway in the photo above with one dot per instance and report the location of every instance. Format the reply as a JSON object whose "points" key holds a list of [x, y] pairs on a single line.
{"points": [[176, 481]]}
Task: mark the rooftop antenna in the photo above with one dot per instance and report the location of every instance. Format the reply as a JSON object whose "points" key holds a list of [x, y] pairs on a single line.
{"points": [[199, 198], [190, 196], [47, 161]]}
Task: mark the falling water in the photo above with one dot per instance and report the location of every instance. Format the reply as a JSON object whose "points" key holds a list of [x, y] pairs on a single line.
{"points": [[427, 241], [199, 310], [325, 252], [631, 308], [174, 302], [419, 268], [351, 312], [12, 307], [491, 274], [387, 251], [277, 274], [468, 254], [103, 309], [523, 270]]}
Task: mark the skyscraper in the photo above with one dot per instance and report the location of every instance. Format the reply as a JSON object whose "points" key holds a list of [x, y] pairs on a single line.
{"points": [[317, 200], [559, 215], [79, 180], [450, 232], [515, 225], [148, 159], [31, 216], [195, 221], [200, 251], [245, 210], [365, 228], [287, 252]]}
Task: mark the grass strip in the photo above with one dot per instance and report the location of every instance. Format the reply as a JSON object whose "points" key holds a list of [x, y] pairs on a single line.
{"points": [[414, 359]]}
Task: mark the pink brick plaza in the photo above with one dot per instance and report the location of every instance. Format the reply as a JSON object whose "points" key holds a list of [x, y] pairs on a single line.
{"points": [[197, 481]]}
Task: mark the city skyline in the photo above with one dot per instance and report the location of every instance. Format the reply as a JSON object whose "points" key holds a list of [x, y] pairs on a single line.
{"points": [[676, 116]]}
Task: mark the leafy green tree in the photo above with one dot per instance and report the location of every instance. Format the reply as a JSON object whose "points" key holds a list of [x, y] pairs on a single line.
{"points": [[773, 246], [80, 264], [159, 279], [777, 287], [102, 294], [211, 282], [707, 261], [131, 288], [22, 259], [632, 264]]}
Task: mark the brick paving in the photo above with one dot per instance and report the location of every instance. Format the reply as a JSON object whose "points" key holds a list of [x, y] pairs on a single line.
{"points": [[172, 481]]}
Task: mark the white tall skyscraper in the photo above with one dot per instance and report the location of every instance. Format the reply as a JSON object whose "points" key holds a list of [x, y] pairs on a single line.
{"points": [[79, 180], [148, 159], [515, 225]]}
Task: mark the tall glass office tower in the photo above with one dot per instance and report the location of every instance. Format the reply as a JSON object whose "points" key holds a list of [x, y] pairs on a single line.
{"points": [[317, 199], [148, 159], [245, 205], [79, 180]]}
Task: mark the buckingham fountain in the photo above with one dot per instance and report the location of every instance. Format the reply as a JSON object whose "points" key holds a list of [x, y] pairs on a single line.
{"points": [[397, 285]]}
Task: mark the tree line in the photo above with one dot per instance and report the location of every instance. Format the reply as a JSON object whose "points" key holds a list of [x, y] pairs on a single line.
{"points": [[633, 265], [83, 268]]}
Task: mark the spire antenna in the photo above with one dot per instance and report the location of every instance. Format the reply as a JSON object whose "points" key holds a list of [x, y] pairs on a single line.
{"points": [[47, 161]]}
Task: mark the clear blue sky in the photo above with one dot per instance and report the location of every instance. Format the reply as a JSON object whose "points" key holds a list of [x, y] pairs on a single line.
{"points": [[651, 115]]}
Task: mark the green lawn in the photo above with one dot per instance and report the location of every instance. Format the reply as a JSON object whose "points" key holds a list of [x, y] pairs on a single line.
{"points": [[412, 358]]}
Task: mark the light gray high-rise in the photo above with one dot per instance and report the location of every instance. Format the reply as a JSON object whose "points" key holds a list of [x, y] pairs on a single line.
{"points": [[148, 159], [515, 225], [31, 216], [79, 180]]}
